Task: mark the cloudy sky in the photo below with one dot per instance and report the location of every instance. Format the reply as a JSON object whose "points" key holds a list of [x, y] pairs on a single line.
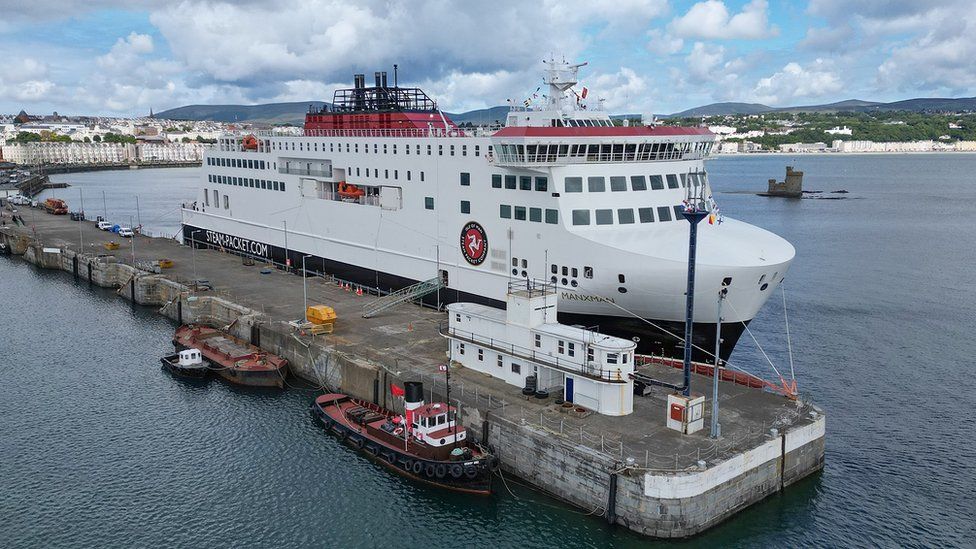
{"points": [[123, 57]]}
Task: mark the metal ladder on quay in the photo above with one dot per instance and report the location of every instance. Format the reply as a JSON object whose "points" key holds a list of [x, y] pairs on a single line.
{"points": [[410, 293]]}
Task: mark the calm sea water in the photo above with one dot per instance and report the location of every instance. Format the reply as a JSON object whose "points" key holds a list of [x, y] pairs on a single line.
{"points": [[100, 447]]}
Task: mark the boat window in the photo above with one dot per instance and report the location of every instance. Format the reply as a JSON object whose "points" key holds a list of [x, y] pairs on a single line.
{"points": [[481, 354], [587, 272], [625, 216], [562, 347], [684, 180], [672, 181], [638, 183], [581, 217], [516, 369], [499, 361], [574, 184], [465, 207], [429, 202], [604, 217], [596, 184], [525, 183], [538, 340], [477, 150], [572, 349], [646, 215], [621, 278], [618, 184], [535, 214], [678, 210], [520, 213], [510, 182], [465, 179], [505, 211], [555, 270], [496, 181], [541, 184], [552, 216], [611, 358], [664, 213], [657, 182]]}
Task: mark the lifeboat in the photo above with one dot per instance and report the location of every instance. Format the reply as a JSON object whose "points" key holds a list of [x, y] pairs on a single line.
{"points": [[347, 190], [250, 143]]}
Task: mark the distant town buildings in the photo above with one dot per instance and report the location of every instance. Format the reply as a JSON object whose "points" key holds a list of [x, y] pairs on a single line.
{"points": [[837, 130], [101, 153]]}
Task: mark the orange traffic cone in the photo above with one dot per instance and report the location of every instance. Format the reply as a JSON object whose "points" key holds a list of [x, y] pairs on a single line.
{"points": [[348, 287], [359, 291]]}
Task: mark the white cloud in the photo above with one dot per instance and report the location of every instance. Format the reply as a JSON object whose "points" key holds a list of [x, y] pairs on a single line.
{"points": [[25, 80], [663, 43], [795, 82], [711, 20], [623, 90]]}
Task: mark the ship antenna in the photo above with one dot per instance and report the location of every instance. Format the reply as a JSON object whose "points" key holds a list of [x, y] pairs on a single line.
{"points": [[395, 76]]}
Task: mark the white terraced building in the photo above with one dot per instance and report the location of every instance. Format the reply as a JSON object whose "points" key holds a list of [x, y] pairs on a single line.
{"points": [[101, 153], [582, 366]]}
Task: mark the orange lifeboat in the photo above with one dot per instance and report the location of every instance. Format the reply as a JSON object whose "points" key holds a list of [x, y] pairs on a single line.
{"points": [[350, 191], [250, 143]]}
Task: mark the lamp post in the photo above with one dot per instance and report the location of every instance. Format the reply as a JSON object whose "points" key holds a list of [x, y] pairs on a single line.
{"points": [[716, 427], [132, 244], [305, 289]]}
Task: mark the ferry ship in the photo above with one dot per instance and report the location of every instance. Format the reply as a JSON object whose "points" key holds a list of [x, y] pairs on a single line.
{"points": [[383, 189]]}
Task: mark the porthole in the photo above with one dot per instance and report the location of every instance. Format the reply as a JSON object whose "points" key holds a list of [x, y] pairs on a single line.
{"points": [[565, 282], [514, 272], [622, 290], [574, 283], [554, 280], [525, 274], [763, 287]]}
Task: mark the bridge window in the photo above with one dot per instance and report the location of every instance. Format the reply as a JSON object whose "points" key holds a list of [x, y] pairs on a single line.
{"points": [[625, 216], [525, 183], [618, 184], [657, 182], [505, 211], [638, 183], [596, 184], [541, 184], [465, 207], [510, 182], [574, 184], [581, 217], [684, 180], [664, 213], [552, 216], [520, 213], [465, 179], [678, 210], [535, 214], [672, 181], [604, 217], [496, 181], [646, 215]]}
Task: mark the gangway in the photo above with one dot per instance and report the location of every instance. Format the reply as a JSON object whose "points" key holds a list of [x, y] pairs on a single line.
{"points": [[410, 293]]}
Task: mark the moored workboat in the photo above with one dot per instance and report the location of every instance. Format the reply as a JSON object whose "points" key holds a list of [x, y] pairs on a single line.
{"points": [[186, 363], [425, 443], [232, 358]]}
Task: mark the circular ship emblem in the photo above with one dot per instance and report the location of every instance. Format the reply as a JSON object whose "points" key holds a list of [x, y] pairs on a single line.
{"points": [[474, 243]]}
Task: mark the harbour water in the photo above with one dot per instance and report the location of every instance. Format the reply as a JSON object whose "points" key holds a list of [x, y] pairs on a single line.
{"points": [[102, 448]]}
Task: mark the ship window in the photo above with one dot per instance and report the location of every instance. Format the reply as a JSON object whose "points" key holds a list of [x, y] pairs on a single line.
{"points": [[554, 269], [587, 272], [274, 185], [565, 270], [625, 216], [226, 202], [282, 185], [384, 148], [429, 202], [575, 272], [408, 175], [498, 361], [505, 211], [376, 149], [596, 184], [206, 197], [264, 184], [429, 148], [574, 184], [604, 217], [514, 262], [672, 181], [331, 149], [356, 148], [646, 215], [440, 150], [535, 214], [525, 183], [562, 347], [464, 150], [678, 211], [510, 182], [684, 180], [664, 213], [465, 207], [357, 172], [581, 217], [481, 354], [657, 182], [611, 358], [477, 150], [496, 181], [520, 213], [394, 148], [421, 176], [552, 216], [538, 340], [621, 278], [541, 184], [386, 174], [638, 183], [465, 179], [216, 199], [618, 184], [572, 349], [452, 150], [516, 369], [461, 348], [396, 174]]}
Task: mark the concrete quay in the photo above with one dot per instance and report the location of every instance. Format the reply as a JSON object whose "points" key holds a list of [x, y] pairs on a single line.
{"points": [[630, 470]]}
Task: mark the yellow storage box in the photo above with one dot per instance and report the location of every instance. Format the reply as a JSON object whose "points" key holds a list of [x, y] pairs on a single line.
{"points": [[320, 314]]}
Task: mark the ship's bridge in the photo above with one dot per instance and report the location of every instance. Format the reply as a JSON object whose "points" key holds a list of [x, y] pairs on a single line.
{"points": [[538, 146]]}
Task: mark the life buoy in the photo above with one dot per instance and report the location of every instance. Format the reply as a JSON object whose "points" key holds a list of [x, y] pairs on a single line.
{"points": [[417, 467], [429, 470], [440, 470], [398, 431], [470, 471], [457, 471]]}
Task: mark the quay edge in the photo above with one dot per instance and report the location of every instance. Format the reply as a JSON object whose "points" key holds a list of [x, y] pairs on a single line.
{"points": [[653, 502]]}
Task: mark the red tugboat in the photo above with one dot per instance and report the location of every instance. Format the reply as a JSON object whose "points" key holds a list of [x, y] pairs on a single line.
{"points": [[425, 443], [235, 360]]}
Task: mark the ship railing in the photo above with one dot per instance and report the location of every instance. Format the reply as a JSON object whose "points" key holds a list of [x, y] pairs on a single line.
{"points": [[544, 359], [391, 132], [554, 160], [314, 173]]}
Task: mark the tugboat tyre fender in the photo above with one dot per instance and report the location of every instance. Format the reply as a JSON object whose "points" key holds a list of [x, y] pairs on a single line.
{"points": [[389, 457], [429, 470], [417, 467], [470, 471], [440, 470], [456, 471]]}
